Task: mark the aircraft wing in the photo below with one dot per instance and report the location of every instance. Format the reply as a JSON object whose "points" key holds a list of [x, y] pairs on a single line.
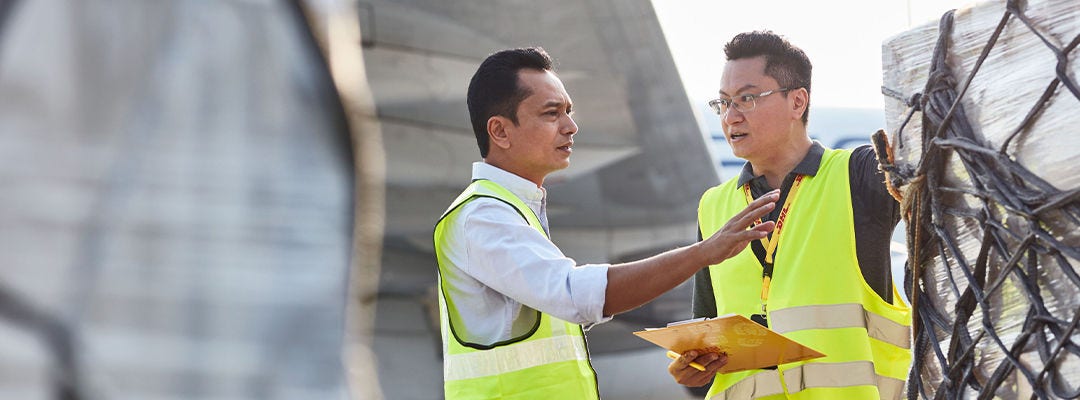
{"points": [[640, 161]]}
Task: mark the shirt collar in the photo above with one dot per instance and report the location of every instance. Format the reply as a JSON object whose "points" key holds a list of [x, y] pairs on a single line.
{"points": [[522, 188], [809, 165]]}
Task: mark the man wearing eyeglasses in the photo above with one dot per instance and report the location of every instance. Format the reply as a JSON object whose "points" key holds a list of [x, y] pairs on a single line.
{"points": [[511, 304], [822, 277]]}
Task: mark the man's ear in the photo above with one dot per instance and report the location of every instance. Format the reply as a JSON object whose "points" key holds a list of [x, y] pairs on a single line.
{"points": [[497, 131], [799, 100]]}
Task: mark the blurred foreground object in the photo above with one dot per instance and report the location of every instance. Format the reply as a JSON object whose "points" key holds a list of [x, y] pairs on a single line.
{"points": [[982, 113], [177, 202], [337, 30]]}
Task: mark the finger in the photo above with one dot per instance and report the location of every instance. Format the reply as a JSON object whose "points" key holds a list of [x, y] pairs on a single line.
{"points": [[759, 212], [760, 205], [706, 358], [752, 234], [740, 239], [766, 198], [683, 361], [749, 215], [765, 227], [719, 362], [757, 232]]}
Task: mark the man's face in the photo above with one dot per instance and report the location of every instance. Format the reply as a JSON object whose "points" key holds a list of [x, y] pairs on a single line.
{"points": [[759, 133], [542, 139]]}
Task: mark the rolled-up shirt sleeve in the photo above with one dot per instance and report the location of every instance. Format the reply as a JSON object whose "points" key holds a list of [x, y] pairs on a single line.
{"points": [[516, 260]]}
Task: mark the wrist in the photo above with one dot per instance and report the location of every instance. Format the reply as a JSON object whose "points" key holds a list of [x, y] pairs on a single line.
{"points": [[699, 255]]}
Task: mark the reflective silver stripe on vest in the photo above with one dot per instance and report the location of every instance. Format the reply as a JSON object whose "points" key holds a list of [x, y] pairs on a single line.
{"points": [[514, 357], [558, 327], [890, 388], [855, 373], [813, 375], [840, 316], [765, 383]]}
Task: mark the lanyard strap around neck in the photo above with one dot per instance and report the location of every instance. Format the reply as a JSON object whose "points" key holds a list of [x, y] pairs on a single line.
{"points": [[770, 243]]}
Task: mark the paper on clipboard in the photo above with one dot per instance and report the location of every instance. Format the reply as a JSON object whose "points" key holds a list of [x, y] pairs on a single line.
{"points": [[748, 345]]}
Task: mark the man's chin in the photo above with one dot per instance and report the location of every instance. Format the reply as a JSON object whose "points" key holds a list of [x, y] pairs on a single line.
{"points": [[740, 151], [560, 166]]}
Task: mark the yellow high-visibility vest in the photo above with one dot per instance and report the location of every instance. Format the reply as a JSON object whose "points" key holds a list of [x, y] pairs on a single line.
{"points": [[817, 297], [551, 361]]}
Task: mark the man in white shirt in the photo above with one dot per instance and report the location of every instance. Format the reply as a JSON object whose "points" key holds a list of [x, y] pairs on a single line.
{"points": [[512, 304]]}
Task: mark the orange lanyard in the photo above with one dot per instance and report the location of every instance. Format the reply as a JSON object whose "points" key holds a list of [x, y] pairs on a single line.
{"points": [[770, 244]]}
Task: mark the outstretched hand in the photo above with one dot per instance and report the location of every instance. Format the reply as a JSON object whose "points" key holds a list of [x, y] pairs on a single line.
{"points": [[737, 232]]}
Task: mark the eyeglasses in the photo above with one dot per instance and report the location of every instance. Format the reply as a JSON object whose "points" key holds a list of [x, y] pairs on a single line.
{"points": [[742, 102]]}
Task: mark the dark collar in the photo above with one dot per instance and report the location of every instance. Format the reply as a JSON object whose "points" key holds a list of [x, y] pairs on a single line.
{"points": [[808, 166]]}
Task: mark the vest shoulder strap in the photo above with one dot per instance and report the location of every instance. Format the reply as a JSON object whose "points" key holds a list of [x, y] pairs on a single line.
{"points": [[490, 189]]}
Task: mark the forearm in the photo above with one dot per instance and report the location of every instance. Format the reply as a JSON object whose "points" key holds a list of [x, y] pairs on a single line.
{"points": [[633, 284]]}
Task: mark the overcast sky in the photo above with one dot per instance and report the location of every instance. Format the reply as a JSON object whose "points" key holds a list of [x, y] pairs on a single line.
{"points": [[842, 38]]}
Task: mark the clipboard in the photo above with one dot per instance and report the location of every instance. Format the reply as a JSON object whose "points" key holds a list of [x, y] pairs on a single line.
{"points": [[748, 344]]}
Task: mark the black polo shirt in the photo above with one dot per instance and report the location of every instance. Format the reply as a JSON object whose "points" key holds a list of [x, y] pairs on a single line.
{"points": [[876, 215]]}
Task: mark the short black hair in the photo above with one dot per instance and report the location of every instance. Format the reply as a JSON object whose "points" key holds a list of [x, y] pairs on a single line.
{"points": [[785, 62], [494, 88]]}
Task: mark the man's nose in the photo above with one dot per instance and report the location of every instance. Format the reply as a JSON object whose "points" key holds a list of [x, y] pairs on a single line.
{"points": [[733, 116], [570, 127]]}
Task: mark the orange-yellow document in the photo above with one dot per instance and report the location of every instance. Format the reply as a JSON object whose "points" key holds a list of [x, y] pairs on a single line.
{"points": [[748, 345]]}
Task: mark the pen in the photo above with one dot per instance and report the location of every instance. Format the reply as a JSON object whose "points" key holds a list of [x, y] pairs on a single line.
{"points": [[673, 355]]}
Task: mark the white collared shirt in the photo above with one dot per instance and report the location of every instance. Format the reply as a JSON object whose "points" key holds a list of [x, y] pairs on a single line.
{"points": [[505, 265]]}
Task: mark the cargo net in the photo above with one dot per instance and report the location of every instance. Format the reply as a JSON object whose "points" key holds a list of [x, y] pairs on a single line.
{"points": [[991, 251]]}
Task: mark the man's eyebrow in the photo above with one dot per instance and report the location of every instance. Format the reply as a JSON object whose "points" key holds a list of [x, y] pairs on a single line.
{"points": [[746, 86]]}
